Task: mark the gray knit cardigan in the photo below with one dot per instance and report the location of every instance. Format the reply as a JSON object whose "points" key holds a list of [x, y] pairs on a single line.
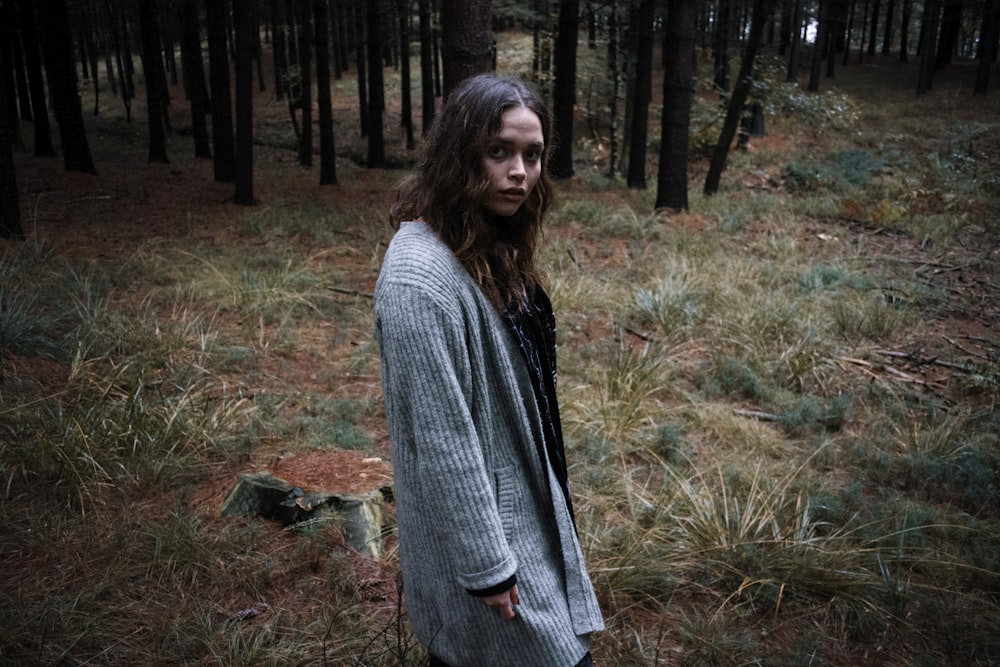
{"points": [[475, 502]]}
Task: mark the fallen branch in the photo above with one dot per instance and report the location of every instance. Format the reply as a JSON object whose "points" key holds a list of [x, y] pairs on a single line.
{"points": [[352, 292]]}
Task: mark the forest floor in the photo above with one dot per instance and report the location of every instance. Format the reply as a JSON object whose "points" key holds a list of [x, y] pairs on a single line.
{"points": [[135, 207]]}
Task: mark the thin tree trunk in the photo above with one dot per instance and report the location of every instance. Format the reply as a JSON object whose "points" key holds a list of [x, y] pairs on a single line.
{"points": [[327, 148], [305, 81], [795, 47], [928, 33], [989, 41], [36, 82], [406, 111], [376, 86], [739, 97], [642, 94], [426, 68]]}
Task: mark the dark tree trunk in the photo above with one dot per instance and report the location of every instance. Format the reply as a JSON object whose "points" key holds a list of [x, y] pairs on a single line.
{"points": [[678, 82], [152, 66], [36, 81], [795, 48], [63, 87], [194, 76], [360, 52], [739, 97], [564, 91], [720, 46], [873, 29], [466, 40], [305, 81], [890, 11], [989, 41], [928, 34], [278, 45], [642, 94], [426, 67], [904, 31], [327, 148], [951, 24], [404, 74], [224, 164], [245, 24], [10, 206], [376, 88]]}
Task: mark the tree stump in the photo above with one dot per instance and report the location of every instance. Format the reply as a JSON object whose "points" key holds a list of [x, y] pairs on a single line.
{"points": [[316, 488]]}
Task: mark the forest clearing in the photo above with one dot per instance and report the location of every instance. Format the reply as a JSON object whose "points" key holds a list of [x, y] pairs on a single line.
{"points": [[780, 405]]}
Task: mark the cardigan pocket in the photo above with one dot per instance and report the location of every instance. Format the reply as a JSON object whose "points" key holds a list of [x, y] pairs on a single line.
{"points": [[507, 500]]}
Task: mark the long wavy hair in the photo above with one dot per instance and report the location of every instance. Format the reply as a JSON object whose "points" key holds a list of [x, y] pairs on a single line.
{"points": [[450, 187]]}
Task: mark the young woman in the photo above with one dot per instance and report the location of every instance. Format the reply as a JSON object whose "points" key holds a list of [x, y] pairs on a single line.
{"points": [[492, 568]]}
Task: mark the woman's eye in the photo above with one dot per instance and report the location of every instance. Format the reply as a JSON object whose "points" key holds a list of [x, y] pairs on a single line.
{"points": [[533, 156], [496, 151]]}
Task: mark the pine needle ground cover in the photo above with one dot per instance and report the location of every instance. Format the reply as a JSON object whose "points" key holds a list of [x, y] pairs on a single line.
{"points": [[780, 406]]}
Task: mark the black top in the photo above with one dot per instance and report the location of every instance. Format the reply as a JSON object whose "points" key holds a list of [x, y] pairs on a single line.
{"points": [[534, 327]]}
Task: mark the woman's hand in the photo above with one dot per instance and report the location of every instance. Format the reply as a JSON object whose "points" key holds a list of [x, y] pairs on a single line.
{"points": [[504, 603]]}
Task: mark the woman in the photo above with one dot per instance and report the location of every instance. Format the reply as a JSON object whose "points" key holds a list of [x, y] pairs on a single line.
{"points": [[492, 568]]}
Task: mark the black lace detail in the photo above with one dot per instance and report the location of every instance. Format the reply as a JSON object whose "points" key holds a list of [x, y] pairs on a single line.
{"points": [[534, 328]]}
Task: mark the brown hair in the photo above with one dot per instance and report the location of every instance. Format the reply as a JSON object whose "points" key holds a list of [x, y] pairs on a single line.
{"points": [[451, 185]]}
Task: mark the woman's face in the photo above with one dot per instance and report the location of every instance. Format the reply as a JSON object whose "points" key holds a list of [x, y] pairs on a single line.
{"points": [[513, 160]]}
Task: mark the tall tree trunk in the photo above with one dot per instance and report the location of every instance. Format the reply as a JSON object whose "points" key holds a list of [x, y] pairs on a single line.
{"points": [[904, 31], [278, 45], [406, 112], [642, 93], [376, 86], [795, 48], [327, 148], [36, 81], [194, 76], [10, 206], [466, 40], [152, 66], [244, 23], [426, 68], [928, 34], [224, 164], [63, 87], [873, 30], [951, 24], [305, 81], [360, 52], [678, 81], [989, 41], [564, 91], [739, 97], [890, 11], [720, 47], [615, 75]]}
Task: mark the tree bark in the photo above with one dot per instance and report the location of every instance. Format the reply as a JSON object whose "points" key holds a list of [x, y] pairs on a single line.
{"points": [[678, 82], [63, 87], [36, 81], [564, 90], [224, 164], [305, 81], [10, 206], [739, 97], [928, 34], [376, 86], [152, 66], [327, 148], [466, 40], [244, 23], [406, 111], [641, 96], [989, 42], [194, 77], [426, 68]]}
